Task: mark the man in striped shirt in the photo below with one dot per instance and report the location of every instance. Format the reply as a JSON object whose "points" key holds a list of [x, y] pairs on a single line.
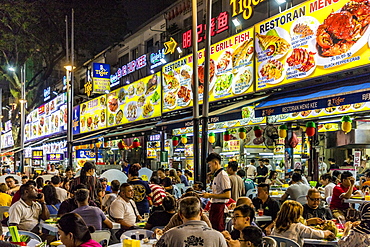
{"points": [[158, 194]]}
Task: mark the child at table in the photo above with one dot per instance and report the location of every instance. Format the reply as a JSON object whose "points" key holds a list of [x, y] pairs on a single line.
{"points": [[288, 224], [357, 234]]}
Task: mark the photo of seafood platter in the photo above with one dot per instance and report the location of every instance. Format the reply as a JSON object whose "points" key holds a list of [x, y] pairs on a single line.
{"points": [[312, 40], [93, 114], [137, 101], [231, 73]]}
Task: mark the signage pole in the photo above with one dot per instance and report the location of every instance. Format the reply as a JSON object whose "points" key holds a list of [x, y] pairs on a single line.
{"points": [[23, 116], [203, 174], [195, 92]]}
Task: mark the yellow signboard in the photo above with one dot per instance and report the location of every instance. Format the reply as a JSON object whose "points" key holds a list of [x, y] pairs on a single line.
{"points": [[231, 73], [93, 114], [137, 101], [329, 111], [313, 39]]}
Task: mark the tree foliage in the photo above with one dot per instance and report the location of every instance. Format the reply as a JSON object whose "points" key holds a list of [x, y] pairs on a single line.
{"points": [[33, 31]]}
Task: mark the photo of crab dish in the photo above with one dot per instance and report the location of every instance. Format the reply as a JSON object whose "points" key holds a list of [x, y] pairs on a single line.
{"points": [[344, 30]]}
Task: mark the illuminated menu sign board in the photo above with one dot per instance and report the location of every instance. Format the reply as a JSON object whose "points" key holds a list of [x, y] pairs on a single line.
{"points": [[37, 154], [54, 157], [7, 140], [313, 39], [231, 73], [48, 119], [137, 101], [101, 77], [93, 114], [126, 69]]}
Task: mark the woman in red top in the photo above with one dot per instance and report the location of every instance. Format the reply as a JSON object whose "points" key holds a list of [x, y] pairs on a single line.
{"points": [[74, 232]]}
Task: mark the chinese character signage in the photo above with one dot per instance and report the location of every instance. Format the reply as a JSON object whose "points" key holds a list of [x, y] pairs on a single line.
{"points": [[48, 119], [231, 73], [218, 25], [37, 154], [312, 39], [139, 100], [93, 114], [101, 77], [54, 157]]}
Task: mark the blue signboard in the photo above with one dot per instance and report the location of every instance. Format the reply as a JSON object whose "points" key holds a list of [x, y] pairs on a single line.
{"points": [[101, 77], [87, 154], [76, 120]]}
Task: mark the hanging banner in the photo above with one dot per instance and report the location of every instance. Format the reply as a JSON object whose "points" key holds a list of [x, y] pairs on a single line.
{"points": [[101, 77], [313, 39], [93, 114], [139, 100], [54, 157], [231, 73]]}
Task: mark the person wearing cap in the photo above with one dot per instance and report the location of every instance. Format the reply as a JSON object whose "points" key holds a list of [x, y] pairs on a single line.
{"points": [[357, 234]]}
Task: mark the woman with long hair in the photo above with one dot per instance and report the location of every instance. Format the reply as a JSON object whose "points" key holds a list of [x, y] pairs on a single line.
{"points": [[141, 188], [87, 178], [51, 199], [288, 225], [74, 232], [273, 179], [174, 178]]}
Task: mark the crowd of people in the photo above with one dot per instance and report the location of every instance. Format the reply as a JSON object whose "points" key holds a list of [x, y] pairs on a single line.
{"points": [[221, 214]]}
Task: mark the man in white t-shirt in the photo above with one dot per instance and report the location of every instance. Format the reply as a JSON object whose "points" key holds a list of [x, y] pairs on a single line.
{"points": [[251, 170], [62, 194], [123, 210], [221, 192]]}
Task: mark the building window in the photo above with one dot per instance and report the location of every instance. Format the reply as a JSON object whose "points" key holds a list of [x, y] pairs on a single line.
{"points": [[134, 53], [150, 46], [123, 60]]}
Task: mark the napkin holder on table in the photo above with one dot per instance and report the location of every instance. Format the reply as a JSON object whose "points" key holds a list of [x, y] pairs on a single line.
{"points": [[131, 243]]}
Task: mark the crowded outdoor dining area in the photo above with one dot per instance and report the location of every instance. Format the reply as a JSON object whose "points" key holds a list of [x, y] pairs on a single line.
{"points": [[250, 206]]}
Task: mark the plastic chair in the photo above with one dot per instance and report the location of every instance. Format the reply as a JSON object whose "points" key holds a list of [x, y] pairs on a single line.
{"points": [[137, 233], [302, 199], [27, 233], [3, 209], [101, 235], [269, 242], [287, 242]]}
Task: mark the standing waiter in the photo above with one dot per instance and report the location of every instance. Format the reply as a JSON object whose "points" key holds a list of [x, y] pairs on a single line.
{"points": [[221, 192]]}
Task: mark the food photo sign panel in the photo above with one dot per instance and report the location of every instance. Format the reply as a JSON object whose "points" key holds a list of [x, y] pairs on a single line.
{"points": [[93, 114], [231, 73], [312, 39], [137, 101]]}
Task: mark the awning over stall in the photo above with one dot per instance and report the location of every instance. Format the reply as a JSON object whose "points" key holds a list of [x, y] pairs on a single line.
{"points": [[314, 99]]}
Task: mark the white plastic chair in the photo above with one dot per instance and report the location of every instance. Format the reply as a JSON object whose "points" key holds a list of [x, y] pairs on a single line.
{"points": [[114, 174], [269, 242], [101, 235], [16, 177], [302, 199], [286, 242], [136, 233]]}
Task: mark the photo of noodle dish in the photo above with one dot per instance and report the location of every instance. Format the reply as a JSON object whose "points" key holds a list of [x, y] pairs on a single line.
{"points": [[272, 71], [170, 100], [243, 80], [344, 31], [131, 111]]}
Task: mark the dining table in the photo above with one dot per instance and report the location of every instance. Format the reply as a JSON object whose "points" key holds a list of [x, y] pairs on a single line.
{"points": [[321, 242], [355, 200], [151, 243], [52, 227]]}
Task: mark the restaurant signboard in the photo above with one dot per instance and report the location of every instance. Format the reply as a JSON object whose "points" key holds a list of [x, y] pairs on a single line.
{"points": [[313, 39], [48, 119], [37, 155], [101, 77], [231, 73], [93, 114], [139, 100]]}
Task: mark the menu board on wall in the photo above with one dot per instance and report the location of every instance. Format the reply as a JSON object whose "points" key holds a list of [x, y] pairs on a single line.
{"points": [[93, 114], [137, 101], [312, 39], [231, 73], [7, 140], [48, 119]]}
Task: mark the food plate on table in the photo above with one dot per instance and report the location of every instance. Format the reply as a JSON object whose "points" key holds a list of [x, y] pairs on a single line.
{"points": [[273, 70], [132, 111], [274, 43], [341, 33]]}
